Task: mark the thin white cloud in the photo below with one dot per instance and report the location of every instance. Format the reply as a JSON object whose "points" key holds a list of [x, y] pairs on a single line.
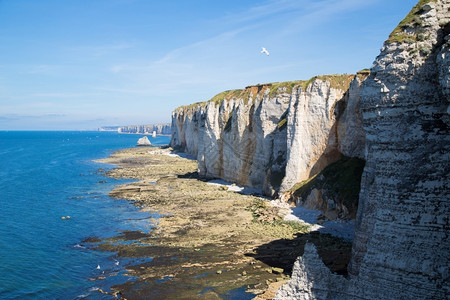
{"points": [[219, 39], [219, 59], [323, 11], [298, 8], [303, 14], [269, 8]]}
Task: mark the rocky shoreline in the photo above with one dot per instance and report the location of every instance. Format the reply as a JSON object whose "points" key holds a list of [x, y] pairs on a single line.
{"points": [[209, 242]]}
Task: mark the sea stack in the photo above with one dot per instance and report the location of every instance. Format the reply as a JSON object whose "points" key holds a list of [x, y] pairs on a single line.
{"points": [[143, 141]]}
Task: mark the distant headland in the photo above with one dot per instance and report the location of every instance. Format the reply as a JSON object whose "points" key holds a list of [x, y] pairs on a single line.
{"points": [[160, 128]]}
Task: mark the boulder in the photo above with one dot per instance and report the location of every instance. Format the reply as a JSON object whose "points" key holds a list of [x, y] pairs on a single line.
{"points": [[143, 141]]}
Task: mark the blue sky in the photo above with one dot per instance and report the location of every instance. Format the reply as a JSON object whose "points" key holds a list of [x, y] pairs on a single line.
{"points": [[81, 64]]}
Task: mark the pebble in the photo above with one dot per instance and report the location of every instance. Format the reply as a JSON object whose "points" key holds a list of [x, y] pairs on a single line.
{"points": [[277, 270]]}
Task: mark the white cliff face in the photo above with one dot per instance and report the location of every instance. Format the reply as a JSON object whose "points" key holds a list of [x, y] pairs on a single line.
{"points": [[236, 139], [314, 140], [401, 246], [163, 128], [405, 186], [185, 127], [351, 136], [265, 136]]}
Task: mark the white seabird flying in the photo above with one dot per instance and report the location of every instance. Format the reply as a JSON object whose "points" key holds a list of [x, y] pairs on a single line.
{"points": [[264, 50]]}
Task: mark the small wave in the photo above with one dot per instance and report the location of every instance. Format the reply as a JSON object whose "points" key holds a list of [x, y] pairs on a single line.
{"points": [[83, 296]]}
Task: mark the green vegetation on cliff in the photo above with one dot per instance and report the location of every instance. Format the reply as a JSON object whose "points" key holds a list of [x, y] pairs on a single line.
{"points": [[412, 20], [226, 95], [284, 87], [340, 180], [363, 74], [336, 81], [217, 99], [269, 215], [283, 121]]}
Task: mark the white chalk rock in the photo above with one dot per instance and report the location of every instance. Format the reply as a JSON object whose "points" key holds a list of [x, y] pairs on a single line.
{"points": [[143, 141]]}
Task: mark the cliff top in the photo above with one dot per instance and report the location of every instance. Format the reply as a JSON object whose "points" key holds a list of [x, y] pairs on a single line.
{"points": [[337, 81], [410, 29]]}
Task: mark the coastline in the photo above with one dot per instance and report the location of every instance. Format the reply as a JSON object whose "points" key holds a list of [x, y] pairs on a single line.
{"points": [[208, 241], [139, 133]]}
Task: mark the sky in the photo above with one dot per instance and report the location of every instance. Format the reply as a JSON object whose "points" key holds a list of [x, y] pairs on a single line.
{"points": [[82, 64]]}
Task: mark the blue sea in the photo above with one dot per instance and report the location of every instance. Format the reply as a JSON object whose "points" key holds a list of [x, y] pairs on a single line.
{"points": [[45, 176]]}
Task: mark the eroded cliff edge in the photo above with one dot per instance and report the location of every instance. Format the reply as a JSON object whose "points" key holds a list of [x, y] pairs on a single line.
{"points": [[401, 246], [272, 136]]}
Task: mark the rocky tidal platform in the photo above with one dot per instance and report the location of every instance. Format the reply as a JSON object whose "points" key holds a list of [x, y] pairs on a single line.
{"points": [[209, 242]]}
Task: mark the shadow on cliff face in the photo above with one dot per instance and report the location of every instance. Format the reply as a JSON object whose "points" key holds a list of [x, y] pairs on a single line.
{"points": [[338, 185], [334, 252], [334, 179], [332, 152]]}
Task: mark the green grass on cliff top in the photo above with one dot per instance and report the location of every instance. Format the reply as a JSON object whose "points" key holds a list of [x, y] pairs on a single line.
{"points": [[336, 81], [412, 19]]}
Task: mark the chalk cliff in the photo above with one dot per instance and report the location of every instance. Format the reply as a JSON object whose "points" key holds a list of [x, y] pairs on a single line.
{"points": [[236, 136], [162, 128], [401, 245], [274, 135], [323, 123]]}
